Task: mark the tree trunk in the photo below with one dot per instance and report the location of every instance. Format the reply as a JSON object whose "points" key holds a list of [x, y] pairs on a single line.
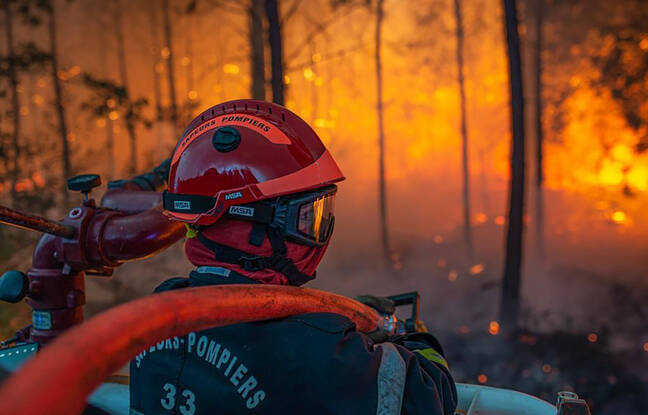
{"points": [[189, 70], [538, 128], [510, 301], [257, 55], [15, 103], [170, 71], [157, 93], [382, 196], [123, 73], [110, 148], [464, 132], [102, 39], [58, 102], [276, 54]]}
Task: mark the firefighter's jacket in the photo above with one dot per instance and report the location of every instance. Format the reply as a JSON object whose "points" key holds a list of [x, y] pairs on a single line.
{"points": [[314, 363]]}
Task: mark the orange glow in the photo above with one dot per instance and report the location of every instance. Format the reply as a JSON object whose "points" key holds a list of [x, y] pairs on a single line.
{"points": [[113, 115], [494, 328], [23, 185], [546, 368], [592, 337], [645, 347], [481, 218], [619, 217], [452, 275], [38, 179], [309, 74], [482, 378], [231, 69], [476, 269], [500, 221]]}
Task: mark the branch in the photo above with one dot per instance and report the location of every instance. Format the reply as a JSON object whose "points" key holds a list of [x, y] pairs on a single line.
{"points": [[291, 11], [319, 28]]}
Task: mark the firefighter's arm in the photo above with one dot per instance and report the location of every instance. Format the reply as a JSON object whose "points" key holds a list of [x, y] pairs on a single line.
{"points": [[155, 180], [429, 385]]}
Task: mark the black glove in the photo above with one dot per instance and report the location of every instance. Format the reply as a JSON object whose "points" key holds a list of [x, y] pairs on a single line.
{"points": [[381, 304], [154, 180]]}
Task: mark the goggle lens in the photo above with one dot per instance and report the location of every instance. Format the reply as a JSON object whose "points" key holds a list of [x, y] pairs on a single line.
{"points": [[316, 218]]}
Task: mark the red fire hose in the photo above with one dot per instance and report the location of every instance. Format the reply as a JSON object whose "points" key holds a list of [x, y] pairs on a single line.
{"points": [[61, 377]]}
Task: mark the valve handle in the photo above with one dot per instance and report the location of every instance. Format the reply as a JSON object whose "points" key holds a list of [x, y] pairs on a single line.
{"points": [[14, 286], [84, 183]]}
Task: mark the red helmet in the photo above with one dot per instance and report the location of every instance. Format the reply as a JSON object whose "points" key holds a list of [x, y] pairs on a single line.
{"points": [[241, 152]]}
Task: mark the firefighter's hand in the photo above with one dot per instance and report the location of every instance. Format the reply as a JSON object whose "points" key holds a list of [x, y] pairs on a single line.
{"points": [[420, 326], [381, 304]]}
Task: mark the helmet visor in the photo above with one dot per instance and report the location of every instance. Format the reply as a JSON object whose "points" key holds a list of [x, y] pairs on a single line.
{"points": [[315, 218]]}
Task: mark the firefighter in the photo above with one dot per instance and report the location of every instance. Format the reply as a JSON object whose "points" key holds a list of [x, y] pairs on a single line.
{"points": [[256, 189]]}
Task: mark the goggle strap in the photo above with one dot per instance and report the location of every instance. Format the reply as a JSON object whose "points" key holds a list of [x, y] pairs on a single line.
{"points": [[180, 203], [257, 234], [255, 212]]}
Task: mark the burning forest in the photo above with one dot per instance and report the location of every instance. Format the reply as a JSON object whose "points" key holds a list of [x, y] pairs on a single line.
{"points": [[495, 155]]}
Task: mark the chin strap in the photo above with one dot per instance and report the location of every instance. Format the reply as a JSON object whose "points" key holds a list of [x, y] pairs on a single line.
{"points": [[278, 261]]}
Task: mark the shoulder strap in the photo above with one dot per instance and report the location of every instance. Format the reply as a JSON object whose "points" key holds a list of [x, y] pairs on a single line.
{"points": [[278, 261]]}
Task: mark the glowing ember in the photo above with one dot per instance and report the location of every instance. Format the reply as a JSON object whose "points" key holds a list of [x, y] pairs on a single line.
{"points": [[546, 368], [592, 337], [38, 179], [482, 378], [192, 94], [231, 69], [113, 115], [500, 221], [619, 217], [452, 276], [494, 328], [643, 44], [309, 74], [286, 80], [165, 52], [481, 218], [476, 269], [24, 185], [645, 347]]}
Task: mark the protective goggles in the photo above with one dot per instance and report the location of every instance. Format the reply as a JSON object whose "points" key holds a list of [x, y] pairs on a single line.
{"points": [[306, 218]]}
